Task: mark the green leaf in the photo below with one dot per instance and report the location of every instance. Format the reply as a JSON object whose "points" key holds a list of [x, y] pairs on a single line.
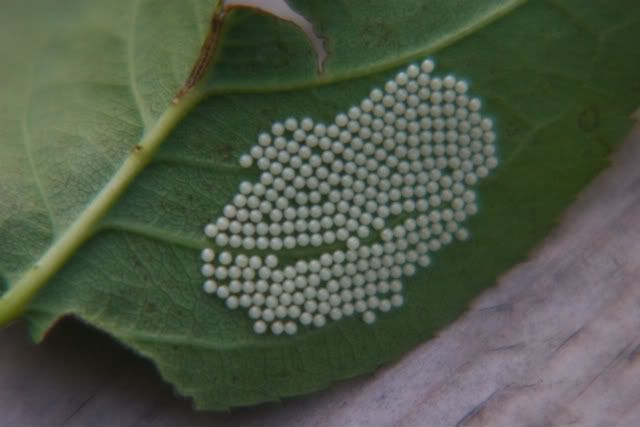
{"points": [[106, 185]]}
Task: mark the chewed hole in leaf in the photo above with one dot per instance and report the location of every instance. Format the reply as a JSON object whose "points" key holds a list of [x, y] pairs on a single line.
{"points": [[283, 10], [342, 213]]}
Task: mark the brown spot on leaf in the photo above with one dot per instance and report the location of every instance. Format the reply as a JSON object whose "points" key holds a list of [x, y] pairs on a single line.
{"points": [[589, 118], [376, 34], [149, 307], [225, 151]]}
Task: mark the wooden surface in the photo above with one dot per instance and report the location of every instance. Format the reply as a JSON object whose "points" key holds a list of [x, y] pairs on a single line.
{"points": [[557, 342]]}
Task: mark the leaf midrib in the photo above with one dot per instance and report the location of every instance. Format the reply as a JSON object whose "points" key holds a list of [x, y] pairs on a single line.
{"points": [[19, 295]]}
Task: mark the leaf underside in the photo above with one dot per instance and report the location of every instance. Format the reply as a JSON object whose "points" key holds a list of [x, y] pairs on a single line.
{"points": [[560, 78]]}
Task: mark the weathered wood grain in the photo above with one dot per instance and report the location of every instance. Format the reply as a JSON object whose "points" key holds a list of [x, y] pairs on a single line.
{"points": [[557, 342]]}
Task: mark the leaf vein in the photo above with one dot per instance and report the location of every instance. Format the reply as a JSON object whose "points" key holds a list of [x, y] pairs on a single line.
{"points": [[139, 101]]}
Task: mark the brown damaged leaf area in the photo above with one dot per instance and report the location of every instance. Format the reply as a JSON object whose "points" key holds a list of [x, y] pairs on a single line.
{"points": [[207, 50], [211, 43]]}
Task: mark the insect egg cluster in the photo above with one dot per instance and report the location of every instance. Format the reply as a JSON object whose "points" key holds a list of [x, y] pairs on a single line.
{"points": [[369, 199]]}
